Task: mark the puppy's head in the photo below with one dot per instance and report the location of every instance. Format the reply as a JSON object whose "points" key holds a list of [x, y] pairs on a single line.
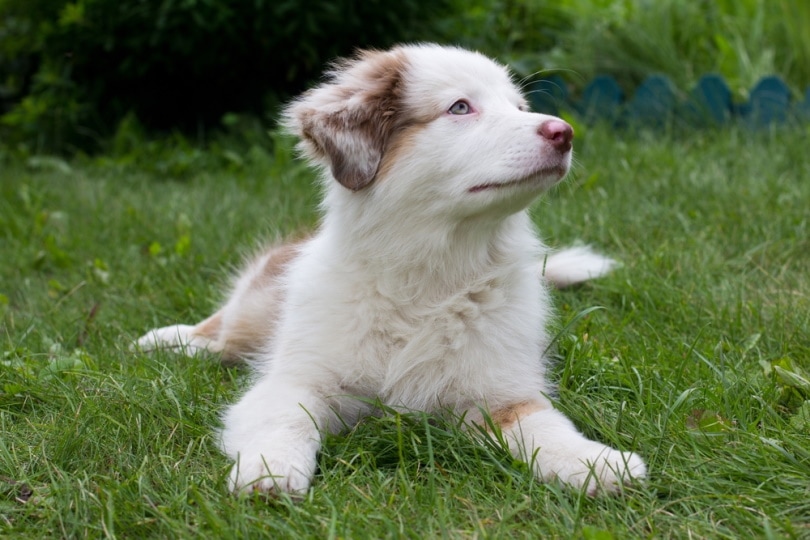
{"points": [[433, 124]]}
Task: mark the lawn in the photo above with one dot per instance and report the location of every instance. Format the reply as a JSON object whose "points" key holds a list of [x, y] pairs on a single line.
{"points": [[698, 357]]}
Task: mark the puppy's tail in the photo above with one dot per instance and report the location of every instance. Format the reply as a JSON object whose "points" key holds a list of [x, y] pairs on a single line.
{"points": [[574, 265]]}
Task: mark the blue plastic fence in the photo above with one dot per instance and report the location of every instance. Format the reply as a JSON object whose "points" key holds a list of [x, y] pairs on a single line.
{"points": [[657, 102]]}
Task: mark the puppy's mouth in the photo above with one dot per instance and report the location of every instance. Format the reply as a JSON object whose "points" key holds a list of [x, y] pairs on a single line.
{"points": [[541, 177]]}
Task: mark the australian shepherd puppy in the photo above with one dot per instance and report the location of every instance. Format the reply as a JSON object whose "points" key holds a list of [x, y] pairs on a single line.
{"points": [[425, 286]]}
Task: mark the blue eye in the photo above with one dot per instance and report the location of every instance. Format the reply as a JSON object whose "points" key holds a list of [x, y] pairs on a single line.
{"points": [[460, 107]]}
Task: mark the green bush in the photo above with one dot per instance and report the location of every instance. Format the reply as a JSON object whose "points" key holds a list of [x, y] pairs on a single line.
{"points": [[743, 40], [70, 70], [518, 32]]}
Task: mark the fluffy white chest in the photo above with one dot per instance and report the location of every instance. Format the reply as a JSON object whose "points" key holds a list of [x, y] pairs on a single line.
{"points": [[426, 352]]}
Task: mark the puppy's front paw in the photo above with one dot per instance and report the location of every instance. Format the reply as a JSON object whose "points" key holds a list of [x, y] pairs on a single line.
{"points": [[273, 472], [605, 470]]}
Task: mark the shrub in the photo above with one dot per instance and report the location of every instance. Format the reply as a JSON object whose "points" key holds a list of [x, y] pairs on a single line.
{"points": [[743, 40], [70, 70], [518, 32]]}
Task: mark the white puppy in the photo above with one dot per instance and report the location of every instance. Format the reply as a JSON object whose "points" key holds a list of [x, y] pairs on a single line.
{"points": [[422, 287]]}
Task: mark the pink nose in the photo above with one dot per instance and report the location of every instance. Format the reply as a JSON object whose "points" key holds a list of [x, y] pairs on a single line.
{"points": [[558, 133]]}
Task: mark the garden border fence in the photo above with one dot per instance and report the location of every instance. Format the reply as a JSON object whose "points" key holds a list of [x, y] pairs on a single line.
{"points": [[658, 102]]}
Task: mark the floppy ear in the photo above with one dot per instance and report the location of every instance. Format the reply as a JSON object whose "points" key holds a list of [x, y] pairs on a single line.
{"points": [[345, 123]]}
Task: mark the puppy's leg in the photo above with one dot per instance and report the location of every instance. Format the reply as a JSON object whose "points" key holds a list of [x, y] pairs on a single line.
{"points": [[273, 434], [189, 339], [245, 324], [544, 437]]}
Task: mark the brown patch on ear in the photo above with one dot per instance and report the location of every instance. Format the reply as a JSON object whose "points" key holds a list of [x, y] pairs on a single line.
{"points": [[349, 121], [508, 416]]}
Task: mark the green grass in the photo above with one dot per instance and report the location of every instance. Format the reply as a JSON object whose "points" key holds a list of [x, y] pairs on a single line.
{"points": [[698, 360]]}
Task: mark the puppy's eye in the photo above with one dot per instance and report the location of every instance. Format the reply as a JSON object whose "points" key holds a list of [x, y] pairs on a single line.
{"points": [[460, 107]]}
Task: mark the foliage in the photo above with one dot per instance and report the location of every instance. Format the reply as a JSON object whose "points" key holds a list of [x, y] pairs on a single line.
{"points": [[743, 40], [70, 70], [518, 32], [631, 39]]}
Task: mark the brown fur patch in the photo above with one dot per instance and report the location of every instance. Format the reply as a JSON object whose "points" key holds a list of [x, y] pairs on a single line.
{"points": [[398, 145], [276, 264], [506, 417], [248, 330], [210, 327], [351, 119], [239, 333]]}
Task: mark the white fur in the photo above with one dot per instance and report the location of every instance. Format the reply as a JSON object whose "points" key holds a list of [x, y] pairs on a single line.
{"points": [[421, 287], [574, 265]]}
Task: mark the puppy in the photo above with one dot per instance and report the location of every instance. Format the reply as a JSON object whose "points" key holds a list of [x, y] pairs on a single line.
{"points": [[425, 284]]}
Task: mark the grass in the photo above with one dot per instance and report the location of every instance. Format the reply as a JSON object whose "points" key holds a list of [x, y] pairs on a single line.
{"points": [[698, 359]]}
